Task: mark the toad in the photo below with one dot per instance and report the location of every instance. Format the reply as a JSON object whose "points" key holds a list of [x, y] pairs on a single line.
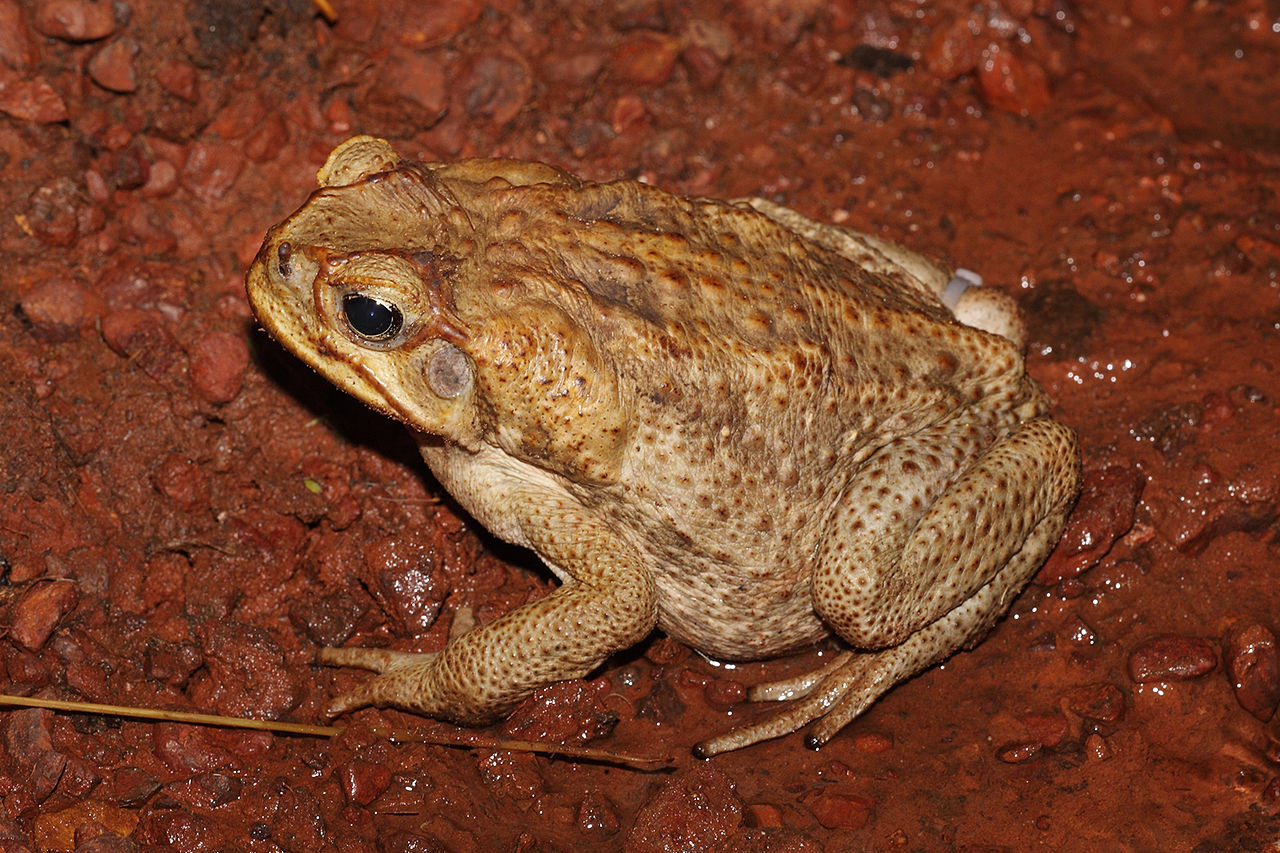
{"points": [[723, 420]]}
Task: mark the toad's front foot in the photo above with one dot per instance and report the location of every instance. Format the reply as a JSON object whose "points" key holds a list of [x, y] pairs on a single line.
{"points": [[402, 680]]}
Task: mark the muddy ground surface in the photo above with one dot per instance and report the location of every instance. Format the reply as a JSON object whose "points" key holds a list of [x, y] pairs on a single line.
{"points": [[186, 513]]}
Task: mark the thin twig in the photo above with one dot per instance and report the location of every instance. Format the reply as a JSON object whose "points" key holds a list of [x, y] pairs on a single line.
{"points": [[462, 739], [173, 716]]}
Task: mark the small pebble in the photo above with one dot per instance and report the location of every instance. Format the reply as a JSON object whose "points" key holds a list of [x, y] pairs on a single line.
{"points": [[218, 364], [596, 816], [406, 576], [1096, 747], [1171, 657], [32, 100], [692, 811], [265, 142], [59, 308], [17, 49], [1011, 83], [188, 750], [131, 786], [495, 86], [75, 20], [1018, 752], [646, 59], [725, 692], [1252, 663], [178, 79], [364, 781], [953, 51], [39, 610], [1105, 512], [28, 742], [763, 815], [211, 170], [112, 67]]}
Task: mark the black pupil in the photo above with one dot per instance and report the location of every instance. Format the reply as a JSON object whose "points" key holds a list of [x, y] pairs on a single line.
{"points": [[371, 318]]}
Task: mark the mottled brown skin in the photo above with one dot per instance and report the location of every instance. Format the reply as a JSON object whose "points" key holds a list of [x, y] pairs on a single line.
{"points": [[723, 420]]}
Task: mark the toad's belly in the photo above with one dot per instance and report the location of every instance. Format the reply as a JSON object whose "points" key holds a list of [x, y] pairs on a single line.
{"points": [[738, 623]]}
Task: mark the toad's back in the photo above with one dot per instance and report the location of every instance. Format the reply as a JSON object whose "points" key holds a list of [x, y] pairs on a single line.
{"points": [[760, 369]]}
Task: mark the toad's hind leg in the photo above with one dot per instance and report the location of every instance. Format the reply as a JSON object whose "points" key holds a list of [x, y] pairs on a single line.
{"points": [[911, 595]]}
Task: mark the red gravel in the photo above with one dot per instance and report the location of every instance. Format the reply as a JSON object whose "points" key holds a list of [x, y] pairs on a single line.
{"points": [[186, 513]]}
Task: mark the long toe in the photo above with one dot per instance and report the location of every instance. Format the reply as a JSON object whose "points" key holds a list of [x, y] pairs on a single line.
{"points": [[376, 660], [351, 700], [798, 687]]}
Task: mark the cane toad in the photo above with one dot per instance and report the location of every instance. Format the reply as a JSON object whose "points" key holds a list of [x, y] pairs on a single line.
{"points": [[724, 420]]}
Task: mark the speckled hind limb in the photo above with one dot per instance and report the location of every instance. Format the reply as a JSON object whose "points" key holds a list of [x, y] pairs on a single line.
{"points": [[914, 594]]}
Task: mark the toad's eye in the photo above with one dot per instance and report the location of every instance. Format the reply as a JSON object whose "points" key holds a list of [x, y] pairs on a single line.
{"points": [[371, 318]]}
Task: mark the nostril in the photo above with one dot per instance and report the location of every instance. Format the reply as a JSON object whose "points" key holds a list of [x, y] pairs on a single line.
{"points": [[284, 255]]}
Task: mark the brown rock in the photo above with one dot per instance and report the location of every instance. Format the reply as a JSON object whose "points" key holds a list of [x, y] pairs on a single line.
{"points": [[841, 811], [162, 180], [38, 612], [363, 781], [112, 67], [693, 811], [1011, 83], [242, 114], [178, 79], [1252, 662], [953, 51], [265, 142], [171, 663], [421, 79], [59, 308], [646, 58], [147, 226], [1105, 512], [596, 816], [1019, 751], [17, 50], [141, 337], [725, 692], [1171, 657], [30, 100], [131, 786], [628, 113], [75, 20], [211, 170], [404, 573], [218, 362], [28, 742], [53, 212]]}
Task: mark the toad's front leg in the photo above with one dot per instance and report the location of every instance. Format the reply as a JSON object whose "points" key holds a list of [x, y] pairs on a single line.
{"points": [[607, 603]]}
